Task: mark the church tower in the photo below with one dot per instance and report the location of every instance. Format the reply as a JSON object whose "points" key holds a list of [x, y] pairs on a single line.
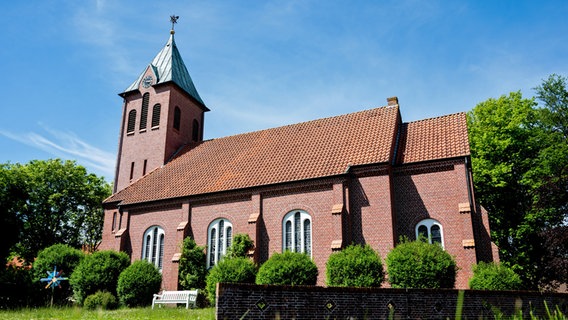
{"points": [[162, 112]]}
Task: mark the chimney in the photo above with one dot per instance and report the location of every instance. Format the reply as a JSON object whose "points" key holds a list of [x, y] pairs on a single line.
{"points": [[392, 101]]}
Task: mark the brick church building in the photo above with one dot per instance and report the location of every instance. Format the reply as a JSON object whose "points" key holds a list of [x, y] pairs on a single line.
{"points": [[314, 187]]}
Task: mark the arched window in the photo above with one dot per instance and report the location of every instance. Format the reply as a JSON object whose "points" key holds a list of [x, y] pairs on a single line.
{"points": [[131, 121], [156, 115], [297, 232], [219, 238], [430, 230], [153, 246], [177, 118], [144, 111], [195, 132]]}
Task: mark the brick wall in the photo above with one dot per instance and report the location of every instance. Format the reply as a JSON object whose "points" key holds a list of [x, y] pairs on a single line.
{"points": [[311, 302], [373, 205]]}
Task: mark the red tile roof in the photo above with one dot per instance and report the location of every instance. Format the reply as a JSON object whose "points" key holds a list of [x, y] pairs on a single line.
{"points": [[435, 138], [314, 149]]}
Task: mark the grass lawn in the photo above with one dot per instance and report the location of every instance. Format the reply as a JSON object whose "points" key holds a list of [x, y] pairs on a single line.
{"points": [[124, 313]]}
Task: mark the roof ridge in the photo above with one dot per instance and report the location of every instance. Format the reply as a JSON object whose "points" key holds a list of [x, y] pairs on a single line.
{"points": [[304, 122], [438, 117]]}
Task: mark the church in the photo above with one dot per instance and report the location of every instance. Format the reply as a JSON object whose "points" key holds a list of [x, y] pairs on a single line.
{"points": [[314, 187]]}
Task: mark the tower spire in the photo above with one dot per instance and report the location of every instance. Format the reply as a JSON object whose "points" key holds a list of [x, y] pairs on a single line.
{"points": [[173, 20]]}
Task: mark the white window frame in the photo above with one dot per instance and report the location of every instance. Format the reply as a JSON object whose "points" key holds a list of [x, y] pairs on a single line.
{"points": [[429, 223], [153, 246], [294, 239], [221, 232]]}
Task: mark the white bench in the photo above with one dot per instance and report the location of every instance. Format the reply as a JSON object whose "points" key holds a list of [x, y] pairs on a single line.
{"points": [[187, 296]]}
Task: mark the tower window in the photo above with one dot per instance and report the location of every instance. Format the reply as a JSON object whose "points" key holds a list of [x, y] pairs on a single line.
{"points": [[156, 115], [297, 232], [131, 170], [195, 133], [144, 111], [144, 167], [131, 122], [177, 118]]}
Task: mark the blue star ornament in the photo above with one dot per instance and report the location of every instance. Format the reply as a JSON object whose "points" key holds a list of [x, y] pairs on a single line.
{"points": [[54, 278]]}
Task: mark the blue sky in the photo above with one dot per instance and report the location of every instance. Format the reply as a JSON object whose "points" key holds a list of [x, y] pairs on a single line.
{"points": [[261, 64]]}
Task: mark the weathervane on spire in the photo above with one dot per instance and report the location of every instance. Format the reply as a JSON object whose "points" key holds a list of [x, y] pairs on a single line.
{"points": [[173, 20]]}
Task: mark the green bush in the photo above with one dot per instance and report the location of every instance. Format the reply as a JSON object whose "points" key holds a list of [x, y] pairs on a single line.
{"points": [[66, 259], [101, 300], [192, 265], [240, 246], [355, 266], [138, 283], [418, 264], [288, 268], [231, 270], [98, 272], [491, 276]]}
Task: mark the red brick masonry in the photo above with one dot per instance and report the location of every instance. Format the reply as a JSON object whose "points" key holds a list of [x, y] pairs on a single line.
{"points": [[311, 302]]}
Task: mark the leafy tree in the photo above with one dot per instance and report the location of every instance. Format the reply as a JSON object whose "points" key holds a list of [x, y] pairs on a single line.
{"points": [[98, 272], [12, 197], [288, 268], [355, 266], [419, 264], [492, 276], [138, 283], [54, 201], [66, 259], [240, 246], [192, 265], [230, 270], [520, 165]]}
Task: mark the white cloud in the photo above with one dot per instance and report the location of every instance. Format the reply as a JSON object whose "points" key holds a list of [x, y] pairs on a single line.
{"points": [[67, 145]]}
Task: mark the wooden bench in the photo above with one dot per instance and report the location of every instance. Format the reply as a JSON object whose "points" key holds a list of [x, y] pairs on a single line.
{"points": [[188, 297]]}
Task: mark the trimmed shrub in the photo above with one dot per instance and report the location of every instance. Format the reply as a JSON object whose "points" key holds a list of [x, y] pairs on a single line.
{"points": [[418, 264], [101, 300], [288, 268], [355, 266], [138, 283], [230, 270], [240, 246], [66, 259], [98, 272], [491, 276], [192, 265]]}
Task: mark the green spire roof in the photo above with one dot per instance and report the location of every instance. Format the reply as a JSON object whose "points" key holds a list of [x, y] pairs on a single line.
{"points": [[168, 66]]}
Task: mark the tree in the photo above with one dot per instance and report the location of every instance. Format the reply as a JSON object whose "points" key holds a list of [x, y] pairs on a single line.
{"points": [[240, 246], [419, 264], [192, 269], [138, 283], [98, 272], [492, 276], [230, 270], [288, 268], [355, 266], [12, 197], [520, 166], [54, 201]]}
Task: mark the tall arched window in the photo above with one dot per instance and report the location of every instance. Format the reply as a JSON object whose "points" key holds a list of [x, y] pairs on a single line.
{"points": [[177, 118], [131, 121], [430, 230], [219, 238], [153, 246], [156, 115], [195, 132], [144, 111], [297, 232]]}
